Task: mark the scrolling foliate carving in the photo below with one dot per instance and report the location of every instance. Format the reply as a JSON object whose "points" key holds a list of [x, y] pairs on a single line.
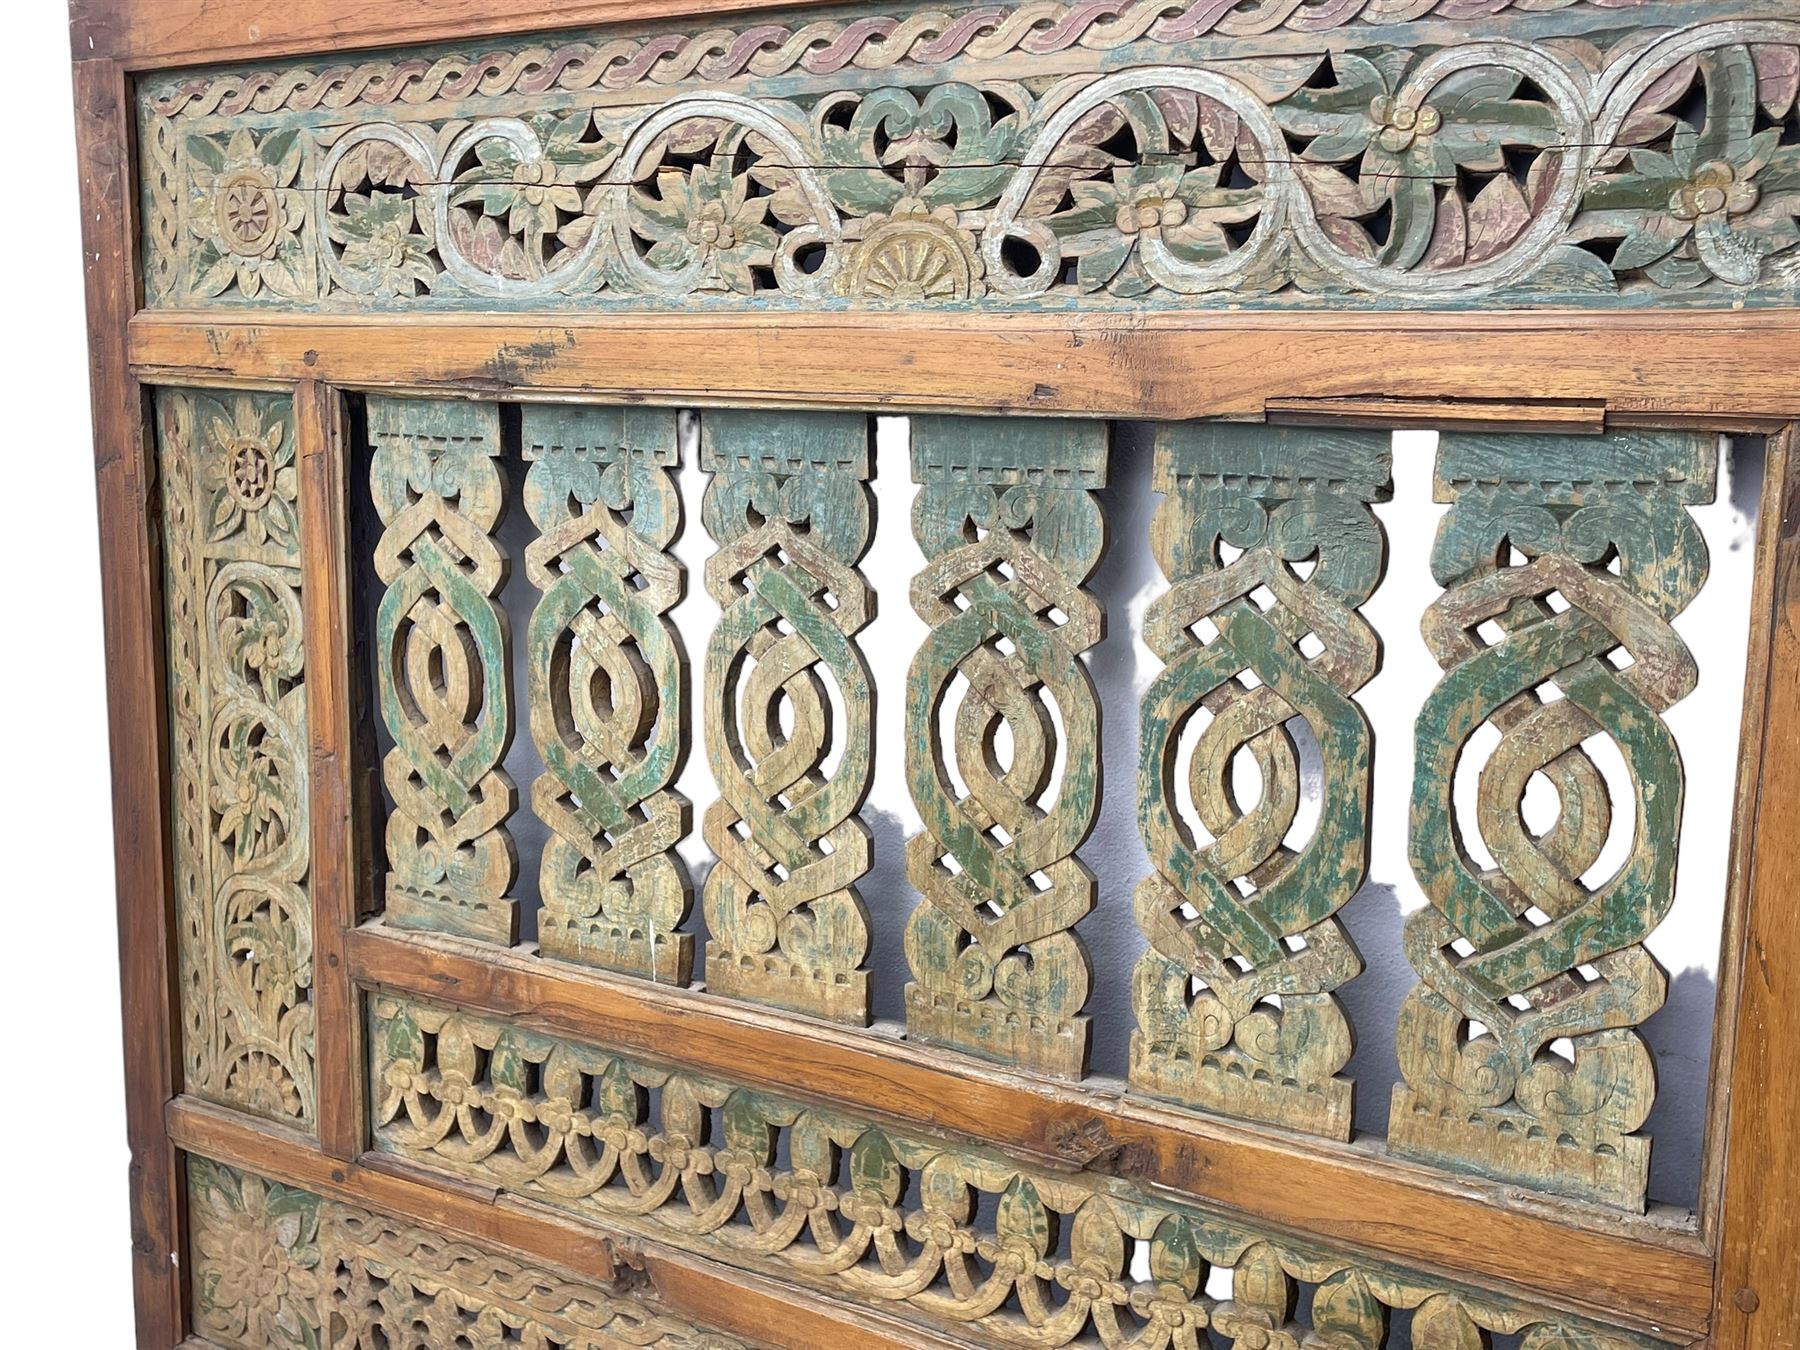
{"points": [[277, 1268], [239, 757], [1234, 997], [956, 1237], [608, 688], [443, 655], [932, 159], [789, 508], [1566, 560], [1009, 523]]}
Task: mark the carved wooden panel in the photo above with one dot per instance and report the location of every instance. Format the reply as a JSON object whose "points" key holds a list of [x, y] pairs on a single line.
{"points": [[1041, 157], [443, 652], [608, 688], [959, 1237], [1007, 519], [239, 803], [277, 1268], [1565, 560], [1234, 996], [789, 508]]}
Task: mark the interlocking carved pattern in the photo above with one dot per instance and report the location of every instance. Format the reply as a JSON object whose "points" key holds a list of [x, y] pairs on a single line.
{"points": [[277, 1268], [958, 1237], [608, 688], [239, 755], [1010, 528], [1234, 996], [1551, 153], [1565, 560], [790, 511], [443, 656]]}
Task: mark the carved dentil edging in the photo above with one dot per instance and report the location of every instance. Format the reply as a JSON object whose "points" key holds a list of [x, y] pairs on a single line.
{"points": [[789, 507], [1492, 169], [443, 651], [1566, 559], [240, 809], [1010, 528], [1234, 998], [608, 687], [963, 1238], [274, 1267]]}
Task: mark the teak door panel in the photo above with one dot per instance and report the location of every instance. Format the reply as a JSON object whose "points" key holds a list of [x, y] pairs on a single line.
{"points": [[406, 362]]}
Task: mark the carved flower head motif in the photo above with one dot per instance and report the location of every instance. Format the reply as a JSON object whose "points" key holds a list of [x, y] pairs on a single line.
{"points": [[250, 789], [247, 213], [706, 215], [1713, 189], [385, 242], [257, 1256], [250, 472], [1401, 123]]}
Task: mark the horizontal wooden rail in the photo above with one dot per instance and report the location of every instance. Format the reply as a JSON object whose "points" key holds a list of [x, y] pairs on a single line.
{"points": [[1729, 370], [1651, 1275], [728, 1300]]}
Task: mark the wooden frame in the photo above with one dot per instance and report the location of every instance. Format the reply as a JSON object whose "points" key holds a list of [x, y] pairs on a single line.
{"points": [[1734, 1281]]}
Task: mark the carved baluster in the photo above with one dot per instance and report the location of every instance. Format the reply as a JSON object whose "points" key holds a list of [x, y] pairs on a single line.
{"points": [[1234, 996], [608, 688], [1008, 520], [443, 649], [1571, 642], [790, 510], [239, 763]]}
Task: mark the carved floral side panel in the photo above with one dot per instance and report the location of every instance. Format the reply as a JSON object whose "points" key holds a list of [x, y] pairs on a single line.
{"points": [[608, 688], [238, 750], [277, 1268], [955, 1237], [1010, 527], [442, 653], [1382, 153], [1565, 561], [789, 507], [1234, 997]]}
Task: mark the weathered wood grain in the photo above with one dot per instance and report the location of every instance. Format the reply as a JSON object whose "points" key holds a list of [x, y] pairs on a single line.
{"points": [[608, 688], [1639, 1272], [790, 510], [1723, 368], [1529, 949], [1235, 1007]]}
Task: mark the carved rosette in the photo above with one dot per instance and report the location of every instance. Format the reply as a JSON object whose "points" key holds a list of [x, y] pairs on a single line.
{"points": [[277, 1268], [1008, 521], [1568, 641], [443, 659], [607, 688], [1234, 997], [790, 511], [239, 749]]}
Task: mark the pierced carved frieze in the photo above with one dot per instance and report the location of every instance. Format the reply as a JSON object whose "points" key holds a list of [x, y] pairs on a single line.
{"points": [[239, 752], [1234, 997], [1565, 561], [790, 510], [1039, 157], [278, 1268], [608, 688], [1010, 527], [442, 655], [963, 1239]]}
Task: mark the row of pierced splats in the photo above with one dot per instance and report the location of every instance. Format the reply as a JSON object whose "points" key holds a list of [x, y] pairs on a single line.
{"points": [[1564, 561]]}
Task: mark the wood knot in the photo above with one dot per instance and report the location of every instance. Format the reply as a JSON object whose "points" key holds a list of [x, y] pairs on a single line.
{"points": [[1746, 1301], [1086, 1143]]}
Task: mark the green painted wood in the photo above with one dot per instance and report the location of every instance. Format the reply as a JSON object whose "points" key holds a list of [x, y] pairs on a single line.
{"points": [[443, 652], [790, 510], [608, 687], [1010, 527], [1232, 1016], [1562, 557], [1065, 158]]}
